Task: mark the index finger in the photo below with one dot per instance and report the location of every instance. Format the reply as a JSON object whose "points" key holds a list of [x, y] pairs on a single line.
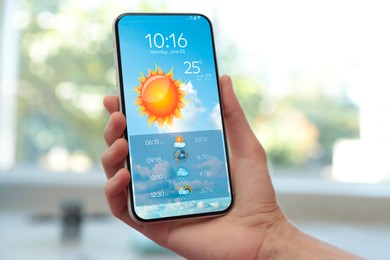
{"points": [[111, 103]]}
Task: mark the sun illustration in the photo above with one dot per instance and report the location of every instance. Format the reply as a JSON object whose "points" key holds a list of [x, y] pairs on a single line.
{"points": [[160, 97]]}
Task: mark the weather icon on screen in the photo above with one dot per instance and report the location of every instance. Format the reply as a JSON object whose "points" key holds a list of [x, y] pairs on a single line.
{"points": [[179, 142], [181, 155], [182, 172], [184, 190], [160, 97]]}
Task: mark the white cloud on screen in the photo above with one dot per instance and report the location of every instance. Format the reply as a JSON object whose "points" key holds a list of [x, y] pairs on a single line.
{"points": [[215, 116], [171, 209], [195, 184], [200, 205], [215, 165], [215, 204], [142, 170], [190, 113], [158, 168], [141, 186], [161, 168]]}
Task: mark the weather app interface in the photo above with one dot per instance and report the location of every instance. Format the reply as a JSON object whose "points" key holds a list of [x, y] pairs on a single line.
{"points": [[176, 144]]}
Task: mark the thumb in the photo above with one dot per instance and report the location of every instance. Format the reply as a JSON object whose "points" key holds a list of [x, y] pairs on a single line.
{"points": [[241, 139]]}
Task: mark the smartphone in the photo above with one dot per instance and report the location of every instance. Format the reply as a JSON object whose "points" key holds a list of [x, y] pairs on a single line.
{"points": [[169, 93]]}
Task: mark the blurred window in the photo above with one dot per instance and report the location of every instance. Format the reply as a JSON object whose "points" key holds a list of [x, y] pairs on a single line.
{"points": [[312, 77]]}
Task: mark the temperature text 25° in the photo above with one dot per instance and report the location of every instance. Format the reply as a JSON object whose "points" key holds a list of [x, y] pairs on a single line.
{"points": [[192, 67]]}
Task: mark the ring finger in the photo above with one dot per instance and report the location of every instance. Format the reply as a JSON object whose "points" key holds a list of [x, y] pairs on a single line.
{"points": [[114, 156]]}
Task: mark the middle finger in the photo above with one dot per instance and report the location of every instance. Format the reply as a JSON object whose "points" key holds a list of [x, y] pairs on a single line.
{"points": [[114, 128], [113, 157]]}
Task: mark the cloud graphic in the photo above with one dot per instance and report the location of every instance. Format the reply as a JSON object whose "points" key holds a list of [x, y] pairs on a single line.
{"points": [[177, 207], [141, 170], [179, 144], [215, 165], [183, 191], [195, 184], [141, 186], [194, 105], [214, 204], [158, 168], [182, 172], [215, 116], [200, 205], [161, 168], [190, 113]]}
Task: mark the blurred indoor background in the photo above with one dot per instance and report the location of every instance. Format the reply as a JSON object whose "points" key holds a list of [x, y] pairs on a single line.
{"points": [[312, 76]]}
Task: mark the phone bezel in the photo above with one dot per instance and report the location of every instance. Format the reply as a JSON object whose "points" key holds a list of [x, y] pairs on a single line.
{"points": [[119, 83]]}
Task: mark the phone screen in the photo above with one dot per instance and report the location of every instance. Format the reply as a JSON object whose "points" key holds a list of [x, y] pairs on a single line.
{"points": [[169, 93]]}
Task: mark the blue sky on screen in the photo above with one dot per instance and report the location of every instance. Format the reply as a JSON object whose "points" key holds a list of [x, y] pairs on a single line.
{"points": [[201, 111]]}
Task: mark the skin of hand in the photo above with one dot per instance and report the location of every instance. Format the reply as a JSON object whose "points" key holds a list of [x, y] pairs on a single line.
{"points": [[255, 228]]}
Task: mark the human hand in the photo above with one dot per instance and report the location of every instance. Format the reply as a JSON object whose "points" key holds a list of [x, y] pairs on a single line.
{"points": [[254, 228]]}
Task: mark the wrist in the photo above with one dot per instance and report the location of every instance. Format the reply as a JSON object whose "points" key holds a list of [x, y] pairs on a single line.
{"points": [[275, 243], [285, 241]]}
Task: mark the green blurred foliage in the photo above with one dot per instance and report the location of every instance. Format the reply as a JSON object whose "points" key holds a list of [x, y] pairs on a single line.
{"points": [[248, 90], [298, 130], [299, 127], [334, 118], [67, 68]]}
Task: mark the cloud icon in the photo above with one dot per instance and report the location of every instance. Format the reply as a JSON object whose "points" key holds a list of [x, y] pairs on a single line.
{"points": [[184, 190], [182, 172], [179, 144]]}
